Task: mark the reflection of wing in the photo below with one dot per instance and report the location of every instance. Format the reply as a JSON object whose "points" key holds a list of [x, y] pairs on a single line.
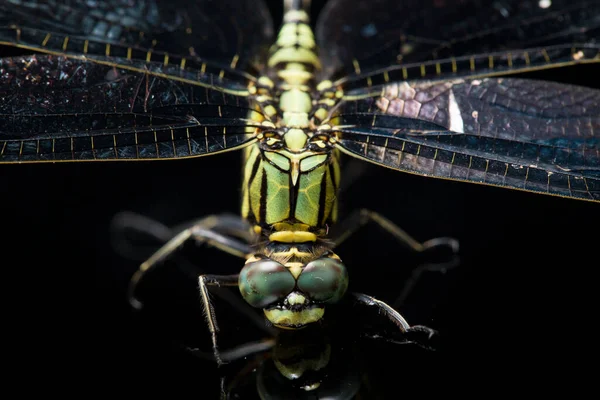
{"points": [[517, 133], [233, 33], [368, 35], [54, 108]]}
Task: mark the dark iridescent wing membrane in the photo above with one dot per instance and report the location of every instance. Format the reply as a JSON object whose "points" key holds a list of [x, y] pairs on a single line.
{"points": [[436, 39], [516, 133], [230, 33], [54, 108], [127, 80]]}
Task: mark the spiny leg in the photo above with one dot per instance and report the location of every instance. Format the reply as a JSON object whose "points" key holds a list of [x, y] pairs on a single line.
{"points": [[392, 314], [204, 231], [211, 319], [360, 218]]}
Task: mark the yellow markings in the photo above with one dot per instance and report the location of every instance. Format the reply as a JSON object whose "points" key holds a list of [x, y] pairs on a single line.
{"points": [[321, 114], [203, 68], [221, 74], [46, 39], [296, 298], [287, 319], [263, 98], [37, 147], [270, 110], [295, 268], [93, 147], [386, 76], [86, 45], [129, 51], [295, 100], [3, 148], [293, 55], [422, 69], [527, 175], [472, 63], [187, 134], [65, 43], [265, 81], [155, 141], [21, 148], [137, 149], [295, 77], [546, 56], [295, 15], [510, 62], [268, 124], [356, 66], [166, 60], [234, 61], [404, 73], [369, 81], [114, 145], [324, 85], [293, 237], [107, 50], [295, 139], [527, 61], [148, 56], [454, 67], [435, 155], [327, 102], [438, 68], [306, 41], [491, 61], [418, 151], [206, 138], [182, 63]]}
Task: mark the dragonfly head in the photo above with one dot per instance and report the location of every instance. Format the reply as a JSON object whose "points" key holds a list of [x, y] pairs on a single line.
{"points": [[291, 294]]}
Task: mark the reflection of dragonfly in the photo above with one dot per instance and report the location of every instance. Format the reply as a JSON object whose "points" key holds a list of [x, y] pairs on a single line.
{"points": [[332, 362], [135, 85]]}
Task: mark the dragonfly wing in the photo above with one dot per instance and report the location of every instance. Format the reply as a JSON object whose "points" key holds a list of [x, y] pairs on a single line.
{"points": [[516, 133], [371, 35], [57, 108], [233, 33]]}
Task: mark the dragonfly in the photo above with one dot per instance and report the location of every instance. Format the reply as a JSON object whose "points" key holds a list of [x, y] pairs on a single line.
{"points": [[413, 86]]}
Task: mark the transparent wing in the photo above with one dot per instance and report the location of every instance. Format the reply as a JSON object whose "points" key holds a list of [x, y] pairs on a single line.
{"points": [[440, 38], [56, 108], [516, 133], [230, 33]]}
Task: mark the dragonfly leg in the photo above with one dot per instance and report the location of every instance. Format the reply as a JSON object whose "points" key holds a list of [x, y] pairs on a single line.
{"points": [[204, 282], [392, 314], [204, 231], [361, 217]]}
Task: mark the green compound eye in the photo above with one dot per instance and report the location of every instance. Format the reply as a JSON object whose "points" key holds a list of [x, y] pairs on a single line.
{"points": [[324, 280], [264, 282]]}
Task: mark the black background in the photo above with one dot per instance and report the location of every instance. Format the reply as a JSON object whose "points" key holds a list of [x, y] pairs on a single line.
{"points": [[521, 303]]}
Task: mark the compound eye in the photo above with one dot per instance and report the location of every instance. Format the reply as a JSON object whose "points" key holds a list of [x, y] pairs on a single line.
{"points": [[265, 282], [324, 280]]}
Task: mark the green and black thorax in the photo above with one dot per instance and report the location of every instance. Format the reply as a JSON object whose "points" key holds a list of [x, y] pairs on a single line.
{"points": [[291, 175]]}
